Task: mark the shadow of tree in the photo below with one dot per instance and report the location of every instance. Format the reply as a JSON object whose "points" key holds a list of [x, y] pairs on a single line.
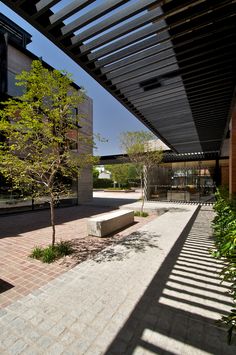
{"points": [[177, 209], [137, 242], [110, 248]]}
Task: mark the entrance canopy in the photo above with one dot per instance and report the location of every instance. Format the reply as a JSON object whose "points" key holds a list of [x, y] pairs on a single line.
{"points": [[171, 62]]}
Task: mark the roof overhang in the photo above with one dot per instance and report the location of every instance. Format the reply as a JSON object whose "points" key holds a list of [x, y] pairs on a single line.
{"points": [[168, 157], [171, 62]]}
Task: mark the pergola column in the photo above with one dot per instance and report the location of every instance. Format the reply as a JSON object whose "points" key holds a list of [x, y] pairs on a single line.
{"points": [[232, 155]]}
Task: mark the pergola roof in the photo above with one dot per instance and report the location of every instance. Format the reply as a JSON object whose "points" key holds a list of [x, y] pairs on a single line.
{"points": [[168, 157], [170, 62]]}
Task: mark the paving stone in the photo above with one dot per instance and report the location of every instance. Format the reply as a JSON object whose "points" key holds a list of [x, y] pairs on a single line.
{"points": [[137, 293], [37, 319], [3, 312], [32, 335], [44, 342], [17, 347], [67, 338], [79, 346], [94, 350], [56, 330], [30, 350], [9, 340], [55, 349]]}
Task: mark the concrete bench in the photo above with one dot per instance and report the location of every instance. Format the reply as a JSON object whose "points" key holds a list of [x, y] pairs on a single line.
{"points": [[100, 226]]}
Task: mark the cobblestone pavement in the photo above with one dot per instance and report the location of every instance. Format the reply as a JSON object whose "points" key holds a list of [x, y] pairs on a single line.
{"points": [[20, 233], [155, 293]]}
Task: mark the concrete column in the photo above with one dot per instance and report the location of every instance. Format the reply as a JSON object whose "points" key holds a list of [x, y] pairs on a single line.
{"points": [[85, 186], [232, 155]]}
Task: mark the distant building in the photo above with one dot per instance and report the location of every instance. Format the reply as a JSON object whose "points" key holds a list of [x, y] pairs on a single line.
{"points": [[103, 173], [15, 57]]}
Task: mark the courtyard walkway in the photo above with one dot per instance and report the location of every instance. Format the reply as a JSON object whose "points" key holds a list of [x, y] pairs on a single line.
{"points": [[157, 292], [20, 233]]}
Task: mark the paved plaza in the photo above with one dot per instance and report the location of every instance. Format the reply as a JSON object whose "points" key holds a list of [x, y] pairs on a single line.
{"points": [[20, 233], [156, 292]]}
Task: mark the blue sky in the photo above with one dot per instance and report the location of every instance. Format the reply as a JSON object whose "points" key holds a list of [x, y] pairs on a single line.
{"points": [[110, 117]]}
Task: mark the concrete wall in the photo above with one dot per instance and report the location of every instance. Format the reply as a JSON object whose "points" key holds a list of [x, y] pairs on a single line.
{"points": [[17, 61]]}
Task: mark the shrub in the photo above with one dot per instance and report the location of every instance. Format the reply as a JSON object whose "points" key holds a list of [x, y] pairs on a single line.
{"points": [[51, 253], [103, 183], [141, 214], [224, 226], [64, 248], [37, 253]]}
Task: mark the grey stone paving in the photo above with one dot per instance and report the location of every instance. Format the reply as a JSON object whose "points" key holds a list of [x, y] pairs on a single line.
{"points": [[156, 293]]}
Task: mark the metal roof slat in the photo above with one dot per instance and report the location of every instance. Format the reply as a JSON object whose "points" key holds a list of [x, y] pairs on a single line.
{"points": [[158, 93], [68, 11], [136, 58], [162, 37], [131, 90], [44, 5], [154, 59], [157, 103], [121, 31], [154, 103], [93, 14], [142, 70], [122, 43], [206, 93], [137, 47], [126, 41], [149, 75], [113, 20]]}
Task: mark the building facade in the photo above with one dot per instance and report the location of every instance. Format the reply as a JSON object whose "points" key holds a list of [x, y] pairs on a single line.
{"points": [[15, 57]]}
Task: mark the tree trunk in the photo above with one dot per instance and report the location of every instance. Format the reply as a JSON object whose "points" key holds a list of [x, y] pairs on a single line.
{"points": [[52, 220], [145, 183], [142, 195]]}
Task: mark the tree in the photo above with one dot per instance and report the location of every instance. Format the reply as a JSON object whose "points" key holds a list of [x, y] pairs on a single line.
{"points": [[122, 173], [37, 125], [140, 148], [95, 174]]}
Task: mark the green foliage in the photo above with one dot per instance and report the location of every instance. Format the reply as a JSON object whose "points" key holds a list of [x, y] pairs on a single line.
{"points": [[224, 226], [95, 174], [38, 127], [142, 150], [64, 248], [141, 214], [37, 253], [102, 183], [49, 254], [52, 253], [123, 173]]}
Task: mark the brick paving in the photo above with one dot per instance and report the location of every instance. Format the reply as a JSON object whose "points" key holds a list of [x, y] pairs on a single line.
{"points": [[157, 292], [20, 233]]}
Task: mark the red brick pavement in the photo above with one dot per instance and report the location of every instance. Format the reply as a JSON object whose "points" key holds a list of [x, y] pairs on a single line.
{"points": [[20, 233]]}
